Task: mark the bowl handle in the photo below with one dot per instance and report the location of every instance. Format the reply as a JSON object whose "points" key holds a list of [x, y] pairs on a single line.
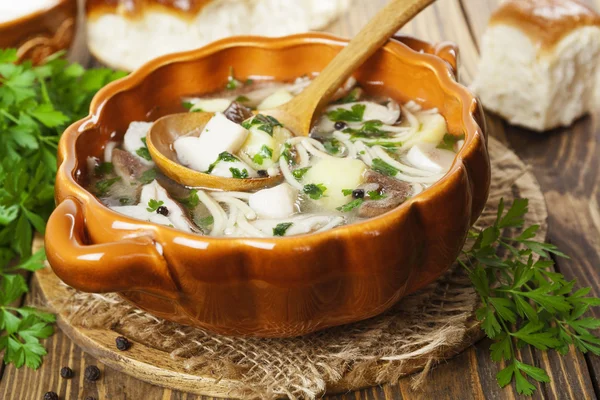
{"points": [[129, 264]]}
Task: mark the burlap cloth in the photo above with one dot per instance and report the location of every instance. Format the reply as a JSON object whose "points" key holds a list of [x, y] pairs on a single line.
{"points": [[418, 332]]}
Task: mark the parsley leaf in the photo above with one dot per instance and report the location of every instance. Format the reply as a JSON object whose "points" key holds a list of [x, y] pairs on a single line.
{"points": [[300, 172], [355, 114], [384, 168], [104, 168], [351, 97], [449, 141], [376, 195], [265, 123], [350, 206], [148, 176], [47, 115], [314, 191], [236, 173], [154, 204], [205, 222], [192, 200], [143, 151], [370, 129], [289, 154], [265, 152], [224, 156], [232, 83], [333, 146], [282, 228], [104, 185]]}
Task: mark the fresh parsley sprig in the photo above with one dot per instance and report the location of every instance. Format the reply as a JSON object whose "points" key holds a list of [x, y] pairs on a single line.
{"points": [[524, 300], [36, 104], [22, 327]]}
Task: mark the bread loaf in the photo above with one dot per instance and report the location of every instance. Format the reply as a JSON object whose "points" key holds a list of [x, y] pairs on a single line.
{"points": [[540, 62], [127, 33]]}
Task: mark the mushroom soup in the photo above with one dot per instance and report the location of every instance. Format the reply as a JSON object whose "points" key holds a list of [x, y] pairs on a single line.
{"points": [[365, 156]]}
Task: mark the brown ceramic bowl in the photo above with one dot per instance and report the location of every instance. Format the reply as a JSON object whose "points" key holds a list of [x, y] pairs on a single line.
{"points": [[41, 33], [272, 287]]}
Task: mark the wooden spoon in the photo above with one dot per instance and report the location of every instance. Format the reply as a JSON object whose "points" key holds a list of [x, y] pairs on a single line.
{"points": [[297, 115], [160, 141]]}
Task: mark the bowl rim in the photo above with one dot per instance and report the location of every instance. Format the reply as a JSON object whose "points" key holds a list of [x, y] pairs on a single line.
{"points": [[32, 15], [442, 71]]}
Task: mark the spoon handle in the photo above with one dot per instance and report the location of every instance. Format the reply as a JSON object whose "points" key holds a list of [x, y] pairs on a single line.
{"points": [[371, 37]]}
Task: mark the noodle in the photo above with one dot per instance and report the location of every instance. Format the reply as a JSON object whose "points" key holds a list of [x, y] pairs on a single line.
{"points": [[381, 153], [287, 174], [218, 214], [231, 221], [363, 152], [347, 143], [249, 228], [236, 203]]}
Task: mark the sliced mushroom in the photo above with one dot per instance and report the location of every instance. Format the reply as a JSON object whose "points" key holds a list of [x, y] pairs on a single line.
{"points": [[396, 192], [128, 166], [237, 112], [387, 182]]}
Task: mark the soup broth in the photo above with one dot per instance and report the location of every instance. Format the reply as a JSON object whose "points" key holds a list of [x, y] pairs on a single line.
{"points": [[365, 156]]}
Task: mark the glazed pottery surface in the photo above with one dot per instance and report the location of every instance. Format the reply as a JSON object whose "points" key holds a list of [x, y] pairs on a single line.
{"points": [[41, 33], [271, 287]]}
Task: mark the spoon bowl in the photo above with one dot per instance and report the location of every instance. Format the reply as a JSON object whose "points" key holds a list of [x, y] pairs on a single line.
{"points": [[163, 134]]}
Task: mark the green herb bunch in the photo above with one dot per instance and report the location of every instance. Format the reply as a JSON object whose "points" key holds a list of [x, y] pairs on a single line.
{"points": [[36, 104], [524, 300]]}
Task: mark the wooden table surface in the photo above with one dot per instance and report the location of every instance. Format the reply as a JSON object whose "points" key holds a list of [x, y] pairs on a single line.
{"points": [[567, 164]]}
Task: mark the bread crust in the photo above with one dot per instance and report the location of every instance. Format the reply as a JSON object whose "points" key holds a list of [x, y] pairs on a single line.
{"points": [[133, 9], [545, 21]]}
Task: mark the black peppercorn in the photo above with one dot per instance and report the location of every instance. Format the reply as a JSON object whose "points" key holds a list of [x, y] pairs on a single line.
{"points": [[262, 173], [340, 125], [358, 193], [66, 372], [122, 343], [92, 373], [50, 396], [162, 210]]}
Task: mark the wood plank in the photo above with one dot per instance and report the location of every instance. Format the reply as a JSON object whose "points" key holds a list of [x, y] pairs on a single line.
{"points": [[566, 163], [458, 379], [25, 384]]}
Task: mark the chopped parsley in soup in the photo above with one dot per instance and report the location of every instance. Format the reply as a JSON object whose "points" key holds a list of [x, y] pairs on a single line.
{"points": [[365, 156]]}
